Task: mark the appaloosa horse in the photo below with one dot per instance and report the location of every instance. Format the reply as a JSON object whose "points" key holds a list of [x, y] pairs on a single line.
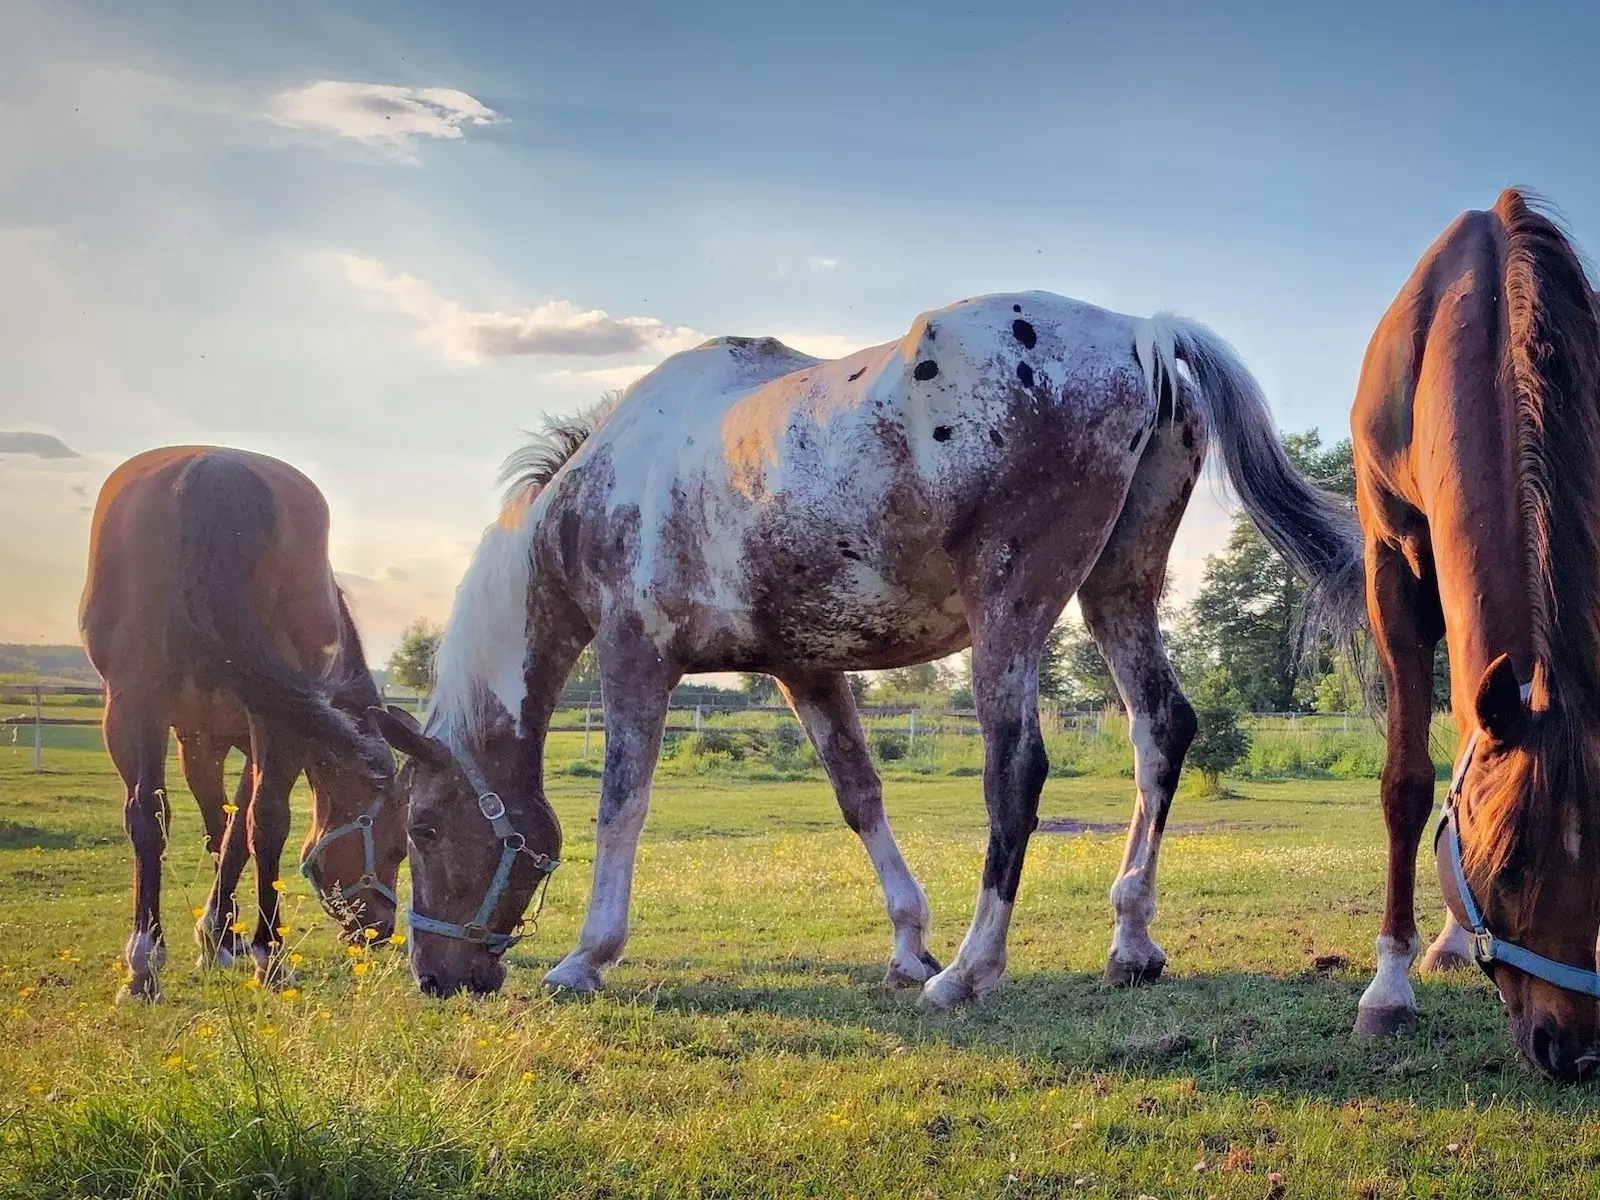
{"points": [[211, 609], [748, 507], [1477, 453]]}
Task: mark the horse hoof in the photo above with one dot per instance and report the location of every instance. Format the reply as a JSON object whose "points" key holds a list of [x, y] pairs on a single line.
{"points": [[903, 975], [139, 991], [946, 992], [1121, 974], [571, 975], [1390, 1021], [217, 958], [1444, 960]]}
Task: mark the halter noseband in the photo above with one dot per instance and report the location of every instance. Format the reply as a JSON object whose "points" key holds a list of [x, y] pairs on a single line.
{"points": [[369, 880], [1486, 948], [512, 844]]}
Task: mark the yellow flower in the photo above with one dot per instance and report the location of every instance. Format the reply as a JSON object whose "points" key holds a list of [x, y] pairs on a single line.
{"points": [[175, 1062], [203, 1031], [369, 933], [268, 1030], [397, 939], [296, 959], [252, 982], [277, 885], [283, 931], [527, 1077], [239, 927], [230, 809], [36, 1088], [197, 912], [289, 993], [25, 992], [324, 1015], [482, 1044], [359, 968], [353, 951]]}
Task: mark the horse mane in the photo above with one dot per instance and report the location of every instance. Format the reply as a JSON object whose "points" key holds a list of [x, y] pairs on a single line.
{"points": [[485, 640], [1550, 365], [532, 466]]}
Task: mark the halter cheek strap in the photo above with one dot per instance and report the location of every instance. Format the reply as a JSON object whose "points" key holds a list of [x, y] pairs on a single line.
{"points": [[369, 880], [1486, 948], [512, 844]]}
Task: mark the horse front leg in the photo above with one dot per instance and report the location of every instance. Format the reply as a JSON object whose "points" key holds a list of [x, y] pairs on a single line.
{"points": [[825, 708], [136, 737], [279, 758], [1398, 608], [637, 687]]}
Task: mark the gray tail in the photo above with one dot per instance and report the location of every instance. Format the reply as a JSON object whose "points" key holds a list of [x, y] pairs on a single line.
{"points": [[225, 518], [1316, 533]]}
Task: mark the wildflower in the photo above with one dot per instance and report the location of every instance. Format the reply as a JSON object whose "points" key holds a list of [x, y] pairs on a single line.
{"points": [[230, 809], [397, 939], [369, 933], [289, 993], [174, 1062], [296, 959], [269, 1030], [353, 951], [197, 912], [359, 968], [252, 982], [323, 1014], [283, 931], [277, 885], [36, 1089], [25, 992], [240, 927], [482, 1044], [204, 1031], [527, 1077]]}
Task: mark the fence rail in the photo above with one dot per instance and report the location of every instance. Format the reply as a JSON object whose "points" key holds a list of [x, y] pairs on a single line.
{"points": [[688, 718]]}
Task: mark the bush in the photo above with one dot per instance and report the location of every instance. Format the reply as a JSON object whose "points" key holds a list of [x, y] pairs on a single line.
{"points": [[889, 747], [1219, 745]]}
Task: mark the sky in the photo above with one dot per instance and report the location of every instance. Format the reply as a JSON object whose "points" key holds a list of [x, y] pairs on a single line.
{"points": [[381, 240]]}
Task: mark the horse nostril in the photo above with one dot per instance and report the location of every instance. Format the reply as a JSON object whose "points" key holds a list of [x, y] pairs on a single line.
{"points": [[1546, 1054]]}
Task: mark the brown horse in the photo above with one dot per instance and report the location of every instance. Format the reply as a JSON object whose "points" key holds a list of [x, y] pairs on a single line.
{"points": [[211, 610], [1477, 452], [748, 507]]}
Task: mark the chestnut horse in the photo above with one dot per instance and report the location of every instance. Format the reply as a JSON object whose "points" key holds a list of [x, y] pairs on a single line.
{"points": [[748, 507], [211, 610], [1477, 454]]}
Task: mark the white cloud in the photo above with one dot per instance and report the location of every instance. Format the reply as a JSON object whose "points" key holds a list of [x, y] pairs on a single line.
{"points": [[380, 114], [824, 345], [605, 377], [817, 263], [557, 327]]}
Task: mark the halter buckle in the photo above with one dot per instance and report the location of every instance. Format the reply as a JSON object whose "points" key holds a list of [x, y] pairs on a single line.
{"points": [[491, 806], [364, 821], [1483, 947], [515, 843], [475, 933]]}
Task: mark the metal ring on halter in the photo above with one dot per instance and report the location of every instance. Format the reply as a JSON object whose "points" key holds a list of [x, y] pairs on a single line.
{"points": [[368, 880], [1486, 948]]}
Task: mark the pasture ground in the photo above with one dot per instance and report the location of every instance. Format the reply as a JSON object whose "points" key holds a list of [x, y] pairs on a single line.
{"points": [[746, 1046]]}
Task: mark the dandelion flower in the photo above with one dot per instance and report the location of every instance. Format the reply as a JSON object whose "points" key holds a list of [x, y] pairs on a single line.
{"points": [[175, 1062], [296, 959], [482, 1044], [25, 992], [359, 968], [277, 885], [289, 993], [252, 982], [527, 1077], [397, 939], [353, 951], [240, 927], [369, 933]]}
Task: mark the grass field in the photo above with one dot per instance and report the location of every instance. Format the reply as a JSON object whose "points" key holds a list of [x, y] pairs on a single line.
{"points": [[746, 1047]]}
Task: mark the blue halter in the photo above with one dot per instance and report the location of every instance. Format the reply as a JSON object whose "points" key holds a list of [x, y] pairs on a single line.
{"points": [[1486, 948], [369, 880], [512, 844]]}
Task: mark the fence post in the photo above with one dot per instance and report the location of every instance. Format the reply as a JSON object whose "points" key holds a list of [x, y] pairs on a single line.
{"points": [[911, 740], [38, 727], [697, 718], [587, 708]]}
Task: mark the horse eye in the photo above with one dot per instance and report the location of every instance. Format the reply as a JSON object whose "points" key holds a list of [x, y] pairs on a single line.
{"points": [[422, 834]]}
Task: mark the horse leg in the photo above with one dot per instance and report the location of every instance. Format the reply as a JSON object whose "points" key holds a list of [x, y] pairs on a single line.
{"points": [[202, 758], [1005, 685], [825, 707], [1120, 601], [279, 759], [136, 737], [637, 688], [1399, 608], [1450, 951]]}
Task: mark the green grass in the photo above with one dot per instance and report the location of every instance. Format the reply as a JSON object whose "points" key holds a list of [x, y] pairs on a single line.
{"points": [[746, 1047]]}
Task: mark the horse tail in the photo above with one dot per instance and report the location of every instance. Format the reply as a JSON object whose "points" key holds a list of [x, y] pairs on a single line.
{"points": [[1316, 533], [225, 518]]}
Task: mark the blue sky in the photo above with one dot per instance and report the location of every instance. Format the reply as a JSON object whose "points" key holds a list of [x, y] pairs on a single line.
{"points": [[380, 239]]}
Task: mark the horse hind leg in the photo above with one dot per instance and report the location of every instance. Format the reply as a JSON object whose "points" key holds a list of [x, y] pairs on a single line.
{"points": [[826, 709], [1120, 602], [136, 737], [278, 756], [203, 759], [1450, 951]]}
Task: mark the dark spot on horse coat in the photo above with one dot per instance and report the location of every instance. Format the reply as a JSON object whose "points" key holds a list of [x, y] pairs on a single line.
{"points": [[857, 374], [570, 526], [996, 437], [941, 433], [926, 370], [1016, 308], [851, 555], [1024, 333], [1188, 438], [1134, 445], [1025, 374]]}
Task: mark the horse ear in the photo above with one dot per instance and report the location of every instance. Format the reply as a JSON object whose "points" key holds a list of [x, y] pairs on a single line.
{"points": [[1501, 711], [400, 729]]}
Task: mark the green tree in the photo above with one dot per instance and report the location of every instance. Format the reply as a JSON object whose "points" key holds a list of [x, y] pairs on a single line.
{"points": [[411, 664], [924, 679], [1220, 743], [758, 688]]}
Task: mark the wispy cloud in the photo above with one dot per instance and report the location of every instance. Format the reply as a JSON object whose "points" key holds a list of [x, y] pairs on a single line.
{"points": [[818, 263], [379, 114], [557, 327], [39, 445]]}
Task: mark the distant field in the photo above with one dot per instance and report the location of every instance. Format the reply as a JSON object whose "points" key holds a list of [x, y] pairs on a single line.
{"points": [[746, 1047]]}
